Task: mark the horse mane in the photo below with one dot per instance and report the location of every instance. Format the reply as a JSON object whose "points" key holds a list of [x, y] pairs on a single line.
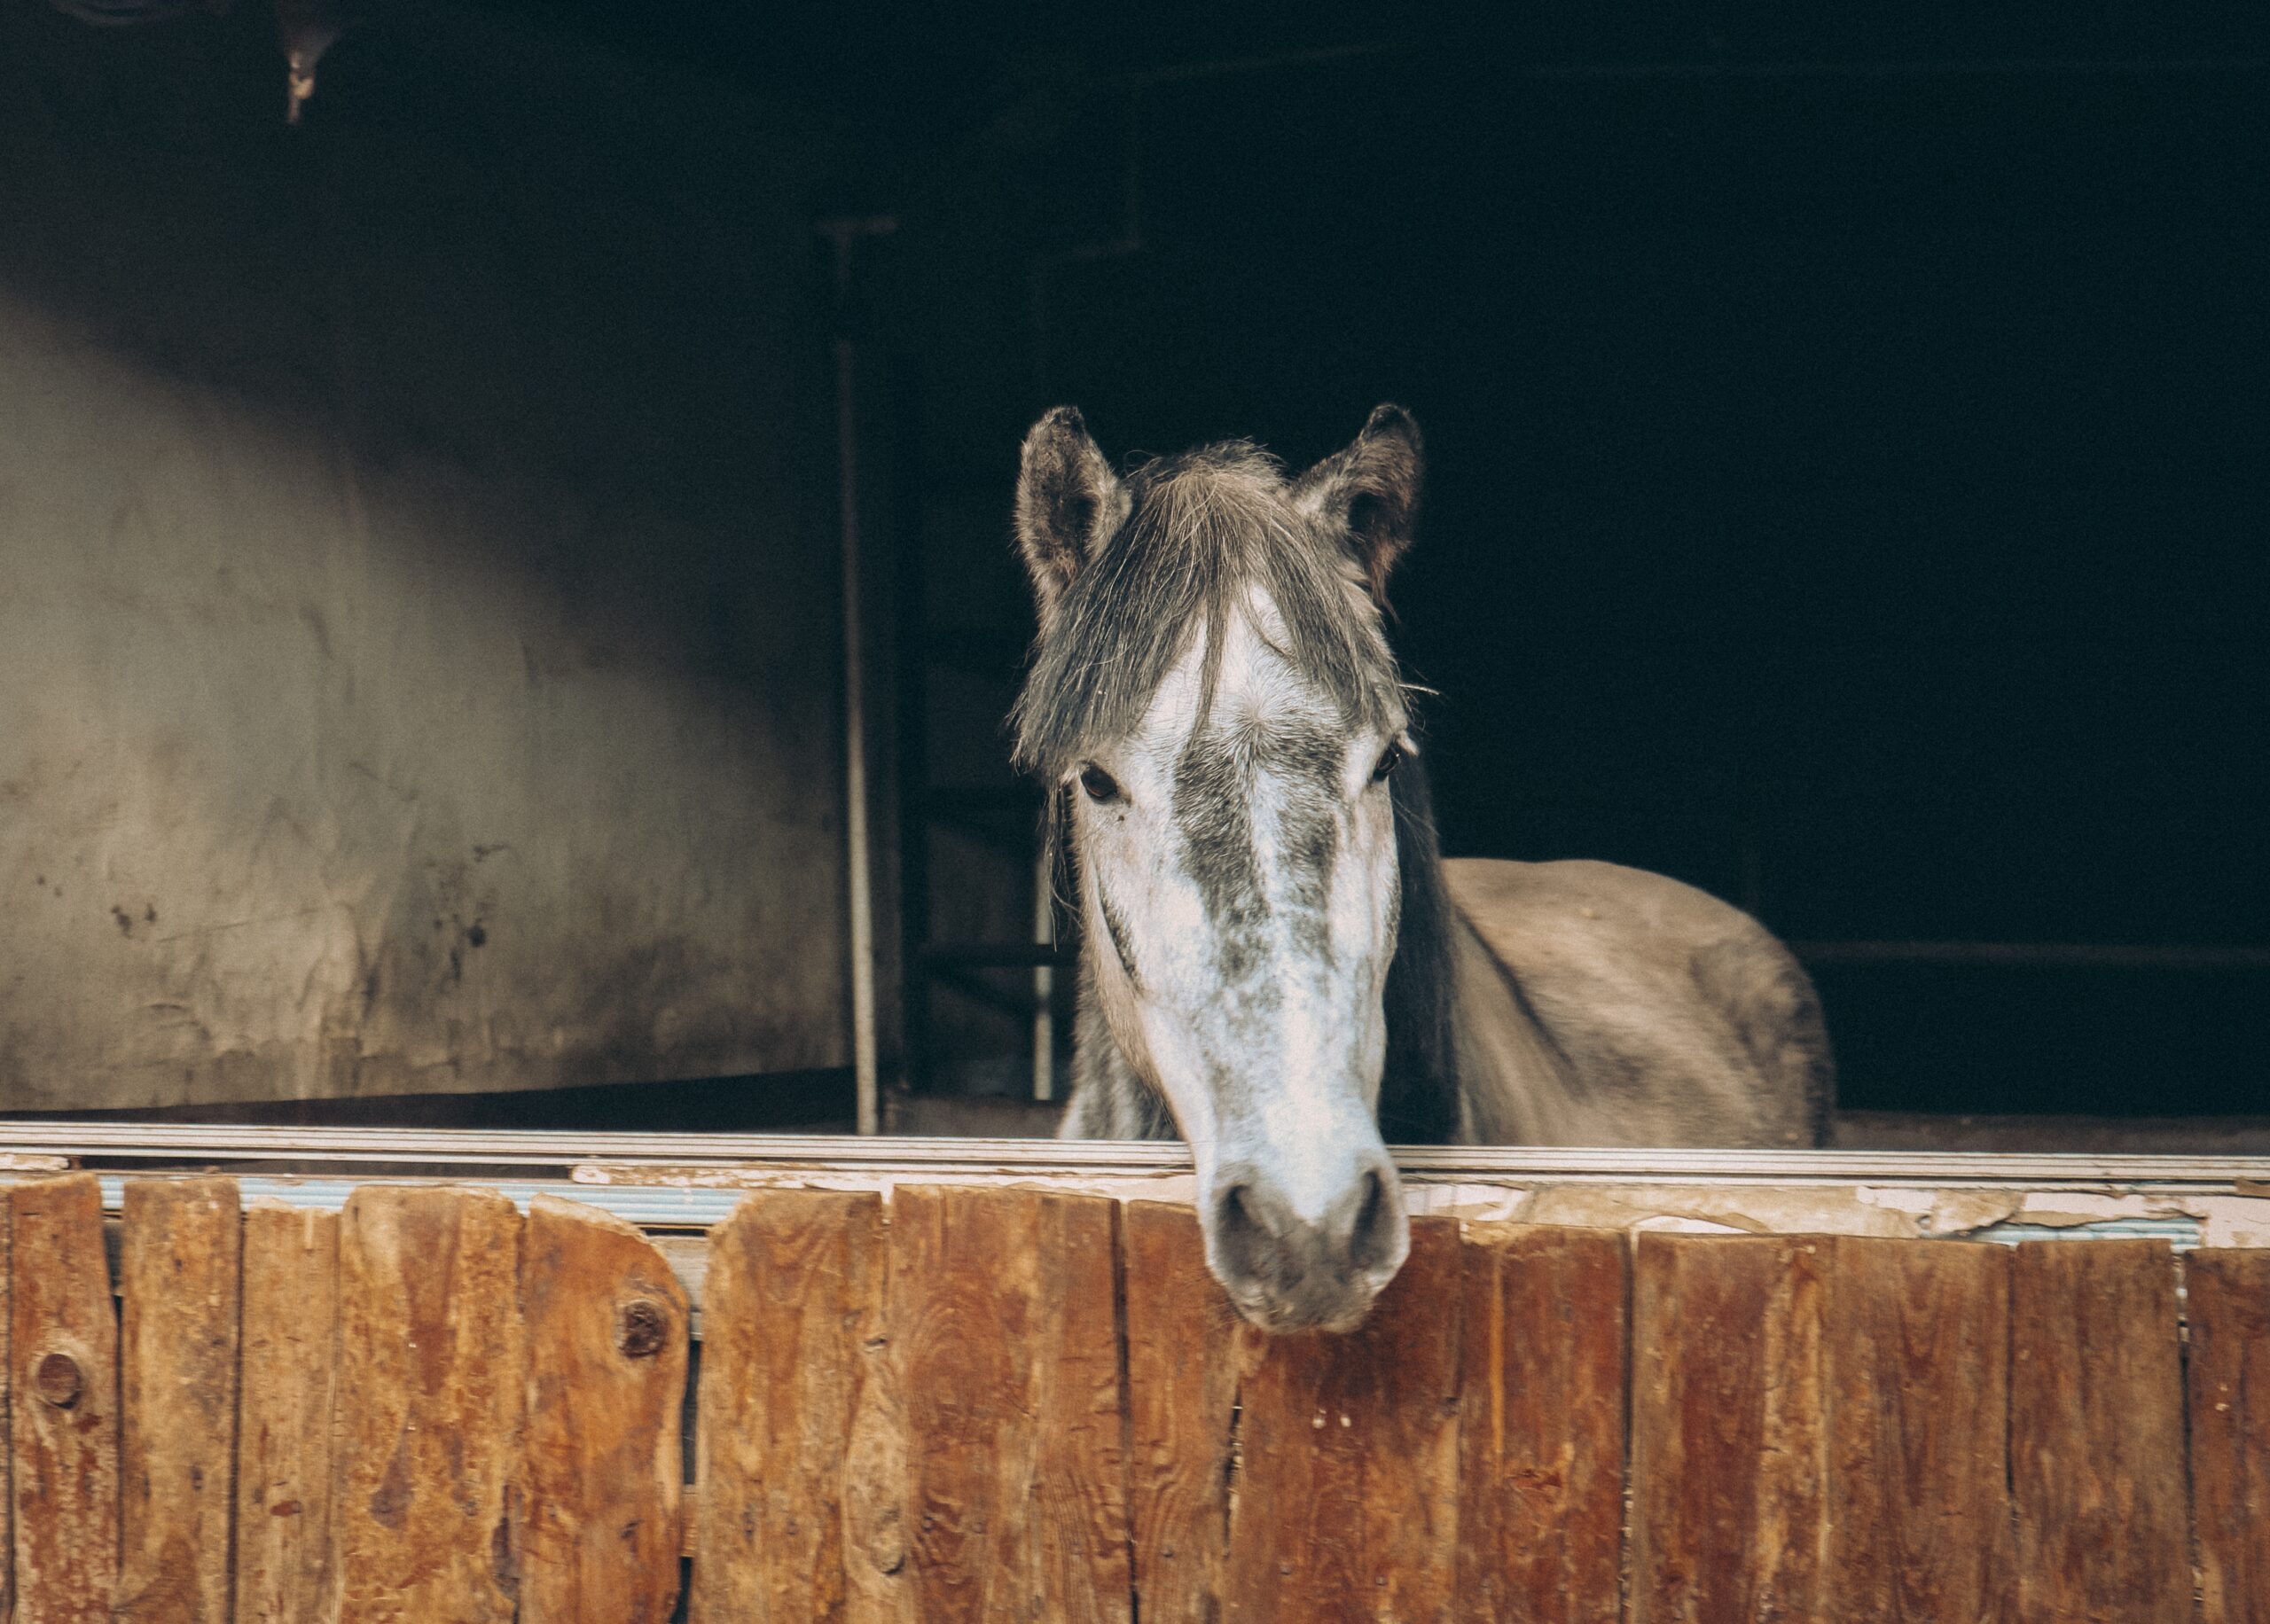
{"points": [[1419, 1087]]}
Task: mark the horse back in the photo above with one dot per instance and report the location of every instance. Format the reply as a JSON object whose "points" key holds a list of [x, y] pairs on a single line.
{"points": [[1599, 1005]]}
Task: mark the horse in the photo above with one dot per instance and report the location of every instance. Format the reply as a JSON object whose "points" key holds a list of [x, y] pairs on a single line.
{"points": [[1276, 963]]}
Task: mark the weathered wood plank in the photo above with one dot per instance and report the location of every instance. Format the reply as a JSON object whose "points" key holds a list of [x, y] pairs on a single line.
{"points": [[879, 1574], [608, 1334], [1185, 1346], [64, 1403], [1004, 1325], [431, 1379], [792, 1313], [7, 1471], [1541, 1424], [7, 1468], [1918, 1357], [961, 1287], [1728, 1437], [2229, 1306], [179, 1271], [2097, 1434], [289, 1374], [1346, 1495], [1079, 1402]]}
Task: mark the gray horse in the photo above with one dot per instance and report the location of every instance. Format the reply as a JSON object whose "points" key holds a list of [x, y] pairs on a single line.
{"points": [[1278, 964]]}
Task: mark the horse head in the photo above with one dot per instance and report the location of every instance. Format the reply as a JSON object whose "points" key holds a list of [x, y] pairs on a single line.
{"points": [[1214, 703]]}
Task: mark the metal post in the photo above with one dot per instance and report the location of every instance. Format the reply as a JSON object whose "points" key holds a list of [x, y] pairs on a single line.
{"points": [[859, 862]]}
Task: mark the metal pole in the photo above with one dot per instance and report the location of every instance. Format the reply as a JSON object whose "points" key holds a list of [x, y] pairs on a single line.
{"points": [[859, 861]]}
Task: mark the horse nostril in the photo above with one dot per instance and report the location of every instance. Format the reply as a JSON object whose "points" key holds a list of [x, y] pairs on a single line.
{"points": [[1372, 1237], [1236, 1218], [1249, 1243]]}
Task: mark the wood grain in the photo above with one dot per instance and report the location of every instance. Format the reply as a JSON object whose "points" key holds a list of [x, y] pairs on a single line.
{"points": [[7, 1472], [791, 1306], [179, 1272], [1184, 1344], [1728, 1440], [608, 1329], [1541, 1424], [2097, 1433], [432, 1377], [64, 1403], [1004, 1325], [1345, 1496], [2228, 1306], [1078, 1397], [1018, 1404], [284, 1430], [1918, 1355]]}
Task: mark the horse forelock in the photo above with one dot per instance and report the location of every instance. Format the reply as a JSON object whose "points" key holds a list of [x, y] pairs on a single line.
{"points": [[1205, 531]]}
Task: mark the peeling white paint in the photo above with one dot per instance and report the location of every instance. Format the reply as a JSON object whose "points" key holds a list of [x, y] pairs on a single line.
{"points": [[1179, 1188], [1892, 1211], [1907, 1213], [2058, 1208], [2231, 1221]]}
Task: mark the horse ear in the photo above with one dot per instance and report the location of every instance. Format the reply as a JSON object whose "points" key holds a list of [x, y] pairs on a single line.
{"points": [[1369, 491], [1068, 504]]}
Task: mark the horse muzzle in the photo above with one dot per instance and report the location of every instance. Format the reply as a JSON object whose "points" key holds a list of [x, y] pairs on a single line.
{"points": [[1290, 1265]]}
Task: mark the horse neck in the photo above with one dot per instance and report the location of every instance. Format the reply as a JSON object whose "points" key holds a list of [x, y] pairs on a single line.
{"points": [[1419, 1087]]}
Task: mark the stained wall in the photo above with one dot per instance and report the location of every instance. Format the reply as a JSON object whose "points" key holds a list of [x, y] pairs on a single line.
{"points": [[416, 596]]}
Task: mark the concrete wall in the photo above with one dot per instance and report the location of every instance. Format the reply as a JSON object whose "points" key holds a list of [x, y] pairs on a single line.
{"points": [[417, 601]]}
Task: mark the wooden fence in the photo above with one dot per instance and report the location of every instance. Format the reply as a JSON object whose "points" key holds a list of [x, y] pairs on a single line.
{"points": [[1020, 1404]]}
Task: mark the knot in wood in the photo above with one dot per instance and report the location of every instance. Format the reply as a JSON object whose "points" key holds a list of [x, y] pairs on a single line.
{"points": [[641, 1328], [57, 1380]]}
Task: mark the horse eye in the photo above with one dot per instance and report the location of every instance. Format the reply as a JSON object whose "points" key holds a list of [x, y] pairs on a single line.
{"points": [[1099, 784], [1389, 761]]}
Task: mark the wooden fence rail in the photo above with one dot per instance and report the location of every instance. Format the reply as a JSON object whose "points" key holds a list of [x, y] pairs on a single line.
{"points": [[1024, 1404]]}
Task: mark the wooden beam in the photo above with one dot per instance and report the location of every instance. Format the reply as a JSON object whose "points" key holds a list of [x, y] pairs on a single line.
{"points": [[2097, 1434], [290, 1341], [791, 1521], [2228, 1300], [1184, 1344], [1345, 1500], [1541, 1420], [179, 1273], [1003, 1335], [1729, 1438], [432, 1389], [1918, 1358], [7, 1449], [64, 1402], [608, 1331]]}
